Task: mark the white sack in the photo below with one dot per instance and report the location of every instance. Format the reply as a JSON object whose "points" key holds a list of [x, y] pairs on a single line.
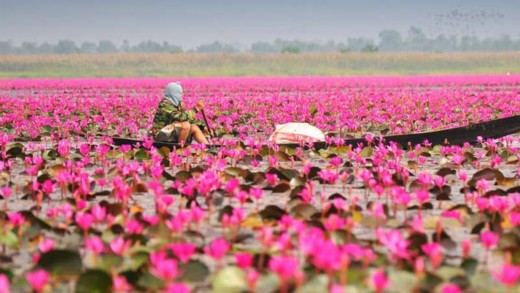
{"points": [[296, 133]]}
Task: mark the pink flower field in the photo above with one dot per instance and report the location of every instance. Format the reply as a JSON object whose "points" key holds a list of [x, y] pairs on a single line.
{"points": [[82, 215]]}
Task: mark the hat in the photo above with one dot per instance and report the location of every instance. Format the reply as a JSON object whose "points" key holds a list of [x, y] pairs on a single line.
{"points": [[173, 93]]}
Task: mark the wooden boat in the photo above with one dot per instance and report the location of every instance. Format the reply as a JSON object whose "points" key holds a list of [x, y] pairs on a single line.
{"points": [[452, 136]]}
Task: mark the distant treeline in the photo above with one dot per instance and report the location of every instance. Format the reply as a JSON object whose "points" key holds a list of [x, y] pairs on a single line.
{"points": [[415, 40]]}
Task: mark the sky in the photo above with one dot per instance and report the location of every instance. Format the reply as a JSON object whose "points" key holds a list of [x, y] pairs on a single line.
{"points": [[189, 23]]}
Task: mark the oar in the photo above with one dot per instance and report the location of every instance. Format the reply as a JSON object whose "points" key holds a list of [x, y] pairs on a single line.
{"points": [[207, 124]]}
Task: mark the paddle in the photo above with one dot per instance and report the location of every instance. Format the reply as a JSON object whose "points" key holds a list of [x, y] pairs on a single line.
{"points": [[207, 124]]}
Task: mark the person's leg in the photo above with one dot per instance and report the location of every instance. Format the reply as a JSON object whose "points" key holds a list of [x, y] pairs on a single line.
{"points": [[184, 130], [198, 135]]}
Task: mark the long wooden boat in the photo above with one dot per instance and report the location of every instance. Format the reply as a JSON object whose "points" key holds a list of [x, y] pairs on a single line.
{"points": [[452, 136]]}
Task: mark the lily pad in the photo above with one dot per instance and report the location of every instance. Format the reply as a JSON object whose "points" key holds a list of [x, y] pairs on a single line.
{"points": [[94, 281], [194, 271], [281, 188], [304, 211], [272, 212], [60, 262], [230, 279]]}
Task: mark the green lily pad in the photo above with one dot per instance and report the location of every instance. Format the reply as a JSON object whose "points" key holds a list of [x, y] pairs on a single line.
{"points": [[230, 279], [50, 155], [150, 282], [94, 281], [181, 176], [469, 265], [194, 271], [401, 281], [60, 262], [272, 212], [15, 151], [367, 152], [8, 238], [109, 261], [448, 272], [317, 283], [141, 155], [304, 211], [268, 283], [281, 188]]}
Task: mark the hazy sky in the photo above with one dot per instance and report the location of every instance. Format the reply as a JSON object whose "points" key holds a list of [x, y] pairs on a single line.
{"points": [[191, 22]]}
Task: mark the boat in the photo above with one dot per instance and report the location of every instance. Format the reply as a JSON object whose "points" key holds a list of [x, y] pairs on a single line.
{"points": [[453, 136]]}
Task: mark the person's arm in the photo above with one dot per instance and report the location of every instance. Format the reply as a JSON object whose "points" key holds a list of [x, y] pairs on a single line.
{"points": [[179, 113]]}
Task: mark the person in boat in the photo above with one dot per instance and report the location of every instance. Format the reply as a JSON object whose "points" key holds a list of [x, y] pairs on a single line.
{"points": [[173, 123]]}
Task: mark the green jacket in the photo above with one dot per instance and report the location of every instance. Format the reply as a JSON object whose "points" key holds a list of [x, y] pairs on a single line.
{"points": [[167, 114]]}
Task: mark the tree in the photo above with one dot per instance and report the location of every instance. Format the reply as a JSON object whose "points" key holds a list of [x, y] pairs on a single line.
{"points": [[29, 48], [6, 47], [106, 46], [66, 47], [469, 43], [357, 44], [505, 43], [444, 44], [45, 48], [125, 47], [291, 50], [166, 47], [263, 47], [88, 48], [370, 48], [148, 47], [216, 47], [390, 40], [417, 40]]}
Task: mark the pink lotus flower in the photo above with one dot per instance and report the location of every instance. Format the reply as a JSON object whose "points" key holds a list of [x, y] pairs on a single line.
{"points": [[244, 260], [256, 193], [457, 159], [37, 279], [46, 245], [177, 288], [232, 185], [466, 248], [134, 227], [328, 176], [393, 240], [252, 278], [95, 244], [272, 179], [183, 251], [434, 251], [217, 248], [378, 280], [119, 246], [286, 267], [336, 288], [4, 284], [336, 162], [165, 269], [450, 288], [5, 192], [334, 222], [98, 213], [509, 275], [63, 148], [482, 185], [84, 220], [489, 239], [273, 161], [121, 285], [16, 219]]}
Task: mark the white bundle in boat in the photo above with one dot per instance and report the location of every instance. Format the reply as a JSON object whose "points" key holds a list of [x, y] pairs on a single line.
{"points": [[296, 133]]}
